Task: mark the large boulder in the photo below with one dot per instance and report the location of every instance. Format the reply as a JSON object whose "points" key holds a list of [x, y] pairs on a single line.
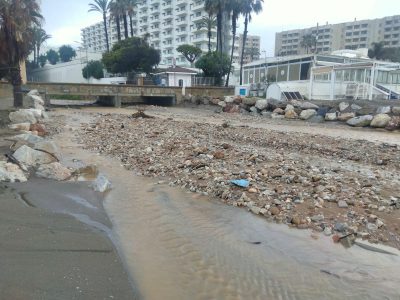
{"points": [[346, 116], [250, 101], [23, 116], [355, 107], [33, 93], [380, 121], [29, 157], [273, 103], [279, 111], [331, 117], [222, 104], [394, 123], [231, 108], [307, 114], [361, 121], [20, 127], [289, 107], [28, 137], [396, 110], [291, 114], [229, 99], [262, 104], [39, 128], [343, 106], [48, 147], [54, 171], [316, 119], [383, 110], [308, 105], [11, 173]]}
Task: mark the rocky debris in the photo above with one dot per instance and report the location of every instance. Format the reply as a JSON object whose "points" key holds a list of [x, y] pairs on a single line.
{"points": [[54, 171], [291, 114], [396, 110], [361, 121], [101, 184], [28, 137], [307, 114], [29, 157], [250, 101], [355, 107], [23, 116], [331, 116], [10, 172], [39, 128], [383, 110], [380, 121], [20, 126], [278, 111], [308, 105], [393, 124], [222, 104], [346, 116], [343, 106], [141, 114], [261, 104], [316, 119]]}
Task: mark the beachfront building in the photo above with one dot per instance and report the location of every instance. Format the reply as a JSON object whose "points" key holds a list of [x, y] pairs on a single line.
{"points": [[166, 24], [331, 37], [342, 75]]}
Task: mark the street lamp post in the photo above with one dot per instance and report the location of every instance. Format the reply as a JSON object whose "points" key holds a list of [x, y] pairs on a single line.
{"points": [[87, 58]]}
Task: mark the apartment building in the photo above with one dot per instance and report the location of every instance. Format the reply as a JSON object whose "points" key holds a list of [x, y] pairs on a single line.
{"points": [[252, 48], [332, 37], [167, 24]]}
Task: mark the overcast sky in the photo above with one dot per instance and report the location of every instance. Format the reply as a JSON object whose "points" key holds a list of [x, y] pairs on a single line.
{"points": [[64, 19]]}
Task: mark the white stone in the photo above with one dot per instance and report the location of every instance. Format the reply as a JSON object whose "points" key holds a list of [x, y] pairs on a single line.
{"points": [[20, 127], [331, 117], [222, 103], [380, 121], [307, 114], [383, 110], [49, 147], [23, 116], [261, 104], [34, 93], [343, 106], [11, 173], [308, 105], [30, 138], [289, 107], [55, 171], [229, 99], [396, 110], [101, 184], [31, 158], [361, 121]]}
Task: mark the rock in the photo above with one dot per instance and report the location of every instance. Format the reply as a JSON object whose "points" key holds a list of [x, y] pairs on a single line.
{"points": [[54, 171], [30, 138], [22, 116], [340, 227], [31, 158], [266, 114], [40, 128], [20, 127], [250, 101], [331, 116], [308, 105], [379, 223], [277, 116], [255, 210], [307, 114], [279, 111], [231, 108], [291, 114], [48, 147], [296, 220], [355, 107], [394, 123], [215, 101], [33, 93], [11, 173], [342, 204], [322, 111], [316, 119], [289, 107], [361, 121], [274, 211], [36, 101], [383, 110], [372, 227], [343, 106], [229, 99], [396, 110], [253, 109], [37, 113], [327, 231], [219, 155], [101, 184], [222, 104], [317, 218], [346, 116], [261, 104], [273, 103], [380, 121]]}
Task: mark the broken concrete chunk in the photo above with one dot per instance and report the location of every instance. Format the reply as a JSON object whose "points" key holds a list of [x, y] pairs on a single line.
{"points": [[101, 184], [32, 158], [11, 173], [55, 171]]}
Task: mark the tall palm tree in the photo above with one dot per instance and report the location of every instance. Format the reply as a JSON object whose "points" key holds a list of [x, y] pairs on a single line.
{"points": [[17, 20], [39, 37], [249, 7], [377, 50], [130, 8], [103, 7], [218, 8], [117, 11], [209, 22], [235, 7], [308, 41]]}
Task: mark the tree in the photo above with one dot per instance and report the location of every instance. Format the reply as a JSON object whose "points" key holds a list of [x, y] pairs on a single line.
{"points": [[17, 19], [253, 52], [218, 8], [130, 8], [377, 50], [116, 12], [190, 52], [93, 69], [53, 57], [214, 64], [308, 42], [133, 54], [380, 52], [249, 7], [209, 22], [42, 59], [236, 7], [103, 7], [39, 37], [67, 53]]}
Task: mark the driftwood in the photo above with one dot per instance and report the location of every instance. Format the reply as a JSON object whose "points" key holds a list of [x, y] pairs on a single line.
{"points": [[141, 114]]}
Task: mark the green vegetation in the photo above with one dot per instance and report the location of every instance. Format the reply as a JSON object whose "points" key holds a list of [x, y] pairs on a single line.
{"points": [[53, 57], [209, 22], [309, 42], [103, 7], [93, 69], [214, 64], [131, 55], [39, 38], [190, 52], [18, 18], [67, 53], [380, 52]]}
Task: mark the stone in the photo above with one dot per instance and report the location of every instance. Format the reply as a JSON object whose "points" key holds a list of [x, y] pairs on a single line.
{"points": [[291, 114], [261, 104], [101, 184], [32, 158], [340, 227], [327, 231], [219, 155], [274, 211], [322, 111], [273, 103], [54, 171], [393, 124], [316, 119], [361, 121], [343, 106], [20, 127], [229, 99], [250, 101], [355, 107], [380, 121], [222, 104], [307, 114], [33, 93], [342, 204], [266, 114], [317, 218], [289, 107], [48, 147], [383, 110], [255, 210], [346, 116], [30, 138], [40, 128], [308, 105], [35, 101], [231, 108], [22, 116], [331, 116], [277, 116], [379, 223], [279, 111], [396, 110], [11, 173], [253, 109], [372, 227]]}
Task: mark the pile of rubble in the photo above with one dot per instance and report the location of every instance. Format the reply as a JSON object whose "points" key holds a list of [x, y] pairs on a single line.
{"points": [[353, 115], [330, 185]]}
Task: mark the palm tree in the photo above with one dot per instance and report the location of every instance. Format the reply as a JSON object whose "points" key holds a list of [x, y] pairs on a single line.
{"points": [[253, 52], [377, 51], [308, 41], [130, 8], [117, 11], [218, 8], [39, 37], [249, 7], [209, 22], [103, 7], [17, 20], [235, 7]]}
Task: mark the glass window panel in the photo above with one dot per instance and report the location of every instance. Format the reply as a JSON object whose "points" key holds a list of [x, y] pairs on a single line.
{"points": [[282, 73], [294, 72]]}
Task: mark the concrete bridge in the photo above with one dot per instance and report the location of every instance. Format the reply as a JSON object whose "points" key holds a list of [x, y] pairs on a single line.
{"points": [[117, 94]]}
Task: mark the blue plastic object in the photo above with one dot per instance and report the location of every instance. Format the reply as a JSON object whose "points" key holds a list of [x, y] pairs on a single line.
{"points": [[241, 183]]}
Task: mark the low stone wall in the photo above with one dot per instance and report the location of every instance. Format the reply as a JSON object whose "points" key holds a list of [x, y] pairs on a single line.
{"points": [[6, 96]]}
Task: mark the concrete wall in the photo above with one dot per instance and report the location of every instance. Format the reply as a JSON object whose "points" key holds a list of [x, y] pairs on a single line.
{"points": [[6, 96]]}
